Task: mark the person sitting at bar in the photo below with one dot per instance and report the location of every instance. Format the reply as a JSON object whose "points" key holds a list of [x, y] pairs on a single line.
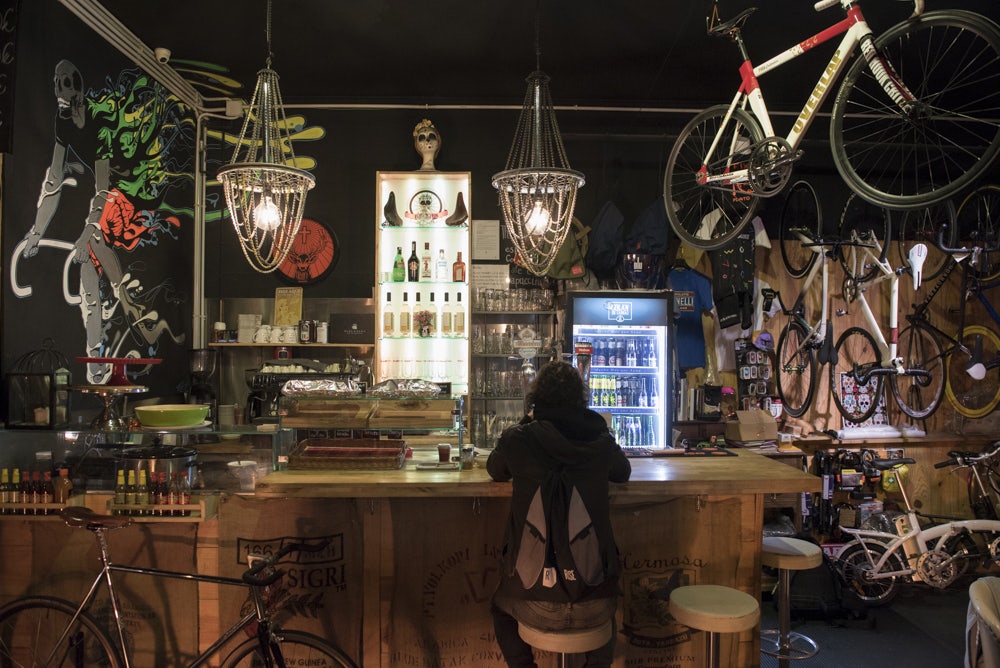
{"points": [[558, 433]]}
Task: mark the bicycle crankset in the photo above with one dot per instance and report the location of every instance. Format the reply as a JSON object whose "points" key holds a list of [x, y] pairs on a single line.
{"points": [[770, 166], [937, 568]]}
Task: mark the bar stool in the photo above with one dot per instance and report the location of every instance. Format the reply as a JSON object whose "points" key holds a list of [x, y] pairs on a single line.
{"points": [[787, 555], [568, 641], [714, 609]]}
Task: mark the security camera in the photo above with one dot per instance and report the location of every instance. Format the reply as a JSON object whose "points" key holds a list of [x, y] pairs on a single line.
{"points": [[162, 55]]}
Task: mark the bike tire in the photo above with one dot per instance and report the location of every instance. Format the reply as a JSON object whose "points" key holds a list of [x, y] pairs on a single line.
{"points": [[800, 216], [298, 649], [707, 217], [922, 226], [30, 627], [865, 223], [981, 500], [856, 347], [911, 160], [917, 396], [978, 221], [973, 398], [854, 566], [795, 370]]}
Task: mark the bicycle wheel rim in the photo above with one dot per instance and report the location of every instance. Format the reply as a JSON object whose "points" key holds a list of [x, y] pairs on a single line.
{"points": [[866, 223], [298, 648], [29, 629], [923, 226], [971, 397], [800, 215], [796, 370], [853, 564], [856, 349], [978, 223], [950, 61], [919, 396], [710, 216]]}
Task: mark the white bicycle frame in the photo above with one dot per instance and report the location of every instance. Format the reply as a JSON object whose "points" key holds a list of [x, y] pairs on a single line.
{"points": [[856, 31]]}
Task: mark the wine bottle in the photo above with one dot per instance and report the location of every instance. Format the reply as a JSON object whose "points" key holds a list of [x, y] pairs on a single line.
{"points": [[388, 317], [458, 317], [458, 269], [399, 266], [413, 264], [425, 263], [120, 491], [446, 317], [432, 309], [404, 316], [142, 494]]}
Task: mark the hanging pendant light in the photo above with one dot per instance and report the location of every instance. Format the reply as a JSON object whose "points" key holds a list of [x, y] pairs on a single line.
{"points": [[537, 189], [265, 192]]}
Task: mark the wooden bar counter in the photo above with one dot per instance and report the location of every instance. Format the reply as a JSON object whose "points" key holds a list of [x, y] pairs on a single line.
{"points": [[423, 549]]}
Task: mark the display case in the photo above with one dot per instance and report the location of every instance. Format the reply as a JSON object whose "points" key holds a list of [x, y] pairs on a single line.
{"points": [[422, 251]]}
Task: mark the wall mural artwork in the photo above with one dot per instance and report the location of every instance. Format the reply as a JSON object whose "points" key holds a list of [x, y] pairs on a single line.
{"points": [[129, 145]]}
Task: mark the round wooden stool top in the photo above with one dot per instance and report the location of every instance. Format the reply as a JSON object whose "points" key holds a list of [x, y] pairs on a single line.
{"points": [[569, 641], [791, 554], [714, 608]]}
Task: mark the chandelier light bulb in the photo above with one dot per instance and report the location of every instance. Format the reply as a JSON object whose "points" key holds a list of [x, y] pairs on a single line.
{"points": [[266, 215], [538, 219]]}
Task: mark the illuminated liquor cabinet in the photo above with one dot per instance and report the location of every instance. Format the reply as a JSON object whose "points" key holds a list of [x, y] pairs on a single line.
{"points": [[422, 277], [631, 333]]}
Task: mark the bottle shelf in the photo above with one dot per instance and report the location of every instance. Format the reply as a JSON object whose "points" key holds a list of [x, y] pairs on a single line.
{"points": [[200, 509]]}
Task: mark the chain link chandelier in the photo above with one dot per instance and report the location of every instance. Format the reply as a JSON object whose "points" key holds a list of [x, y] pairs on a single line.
{"points": [[537, 189], [265, 192]]}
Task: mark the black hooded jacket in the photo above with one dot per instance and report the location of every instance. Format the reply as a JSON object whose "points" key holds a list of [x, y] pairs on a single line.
{"points": [[579, 437]]}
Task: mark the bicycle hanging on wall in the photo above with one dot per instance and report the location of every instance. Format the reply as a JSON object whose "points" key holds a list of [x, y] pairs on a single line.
{"points": [[913, 122]]}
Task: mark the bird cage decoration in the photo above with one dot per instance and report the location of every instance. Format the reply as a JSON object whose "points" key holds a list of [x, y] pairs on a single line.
{"points": [[38, 390]]}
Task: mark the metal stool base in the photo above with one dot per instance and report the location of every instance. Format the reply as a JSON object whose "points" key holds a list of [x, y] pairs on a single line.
{"points": [[795, 647]]}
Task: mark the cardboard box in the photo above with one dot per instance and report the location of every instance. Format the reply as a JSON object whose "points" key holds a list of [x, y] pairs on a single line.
{"points": [[752, 426]]}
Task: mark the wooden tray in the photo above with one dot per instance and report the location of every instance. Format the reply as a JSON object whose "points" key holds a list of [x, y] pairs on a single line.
{"points": [[348, 454], [324, 413], [419, 413]]}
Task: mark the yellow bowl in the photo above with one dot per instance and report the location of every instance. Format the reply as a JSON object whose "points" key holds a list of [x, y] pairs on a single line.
{"points": [[172, 415]]}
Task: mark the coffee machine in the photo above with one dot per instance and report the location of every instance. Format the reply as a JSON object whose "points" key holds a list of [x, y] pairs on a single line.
{"points": [[203, 363]]}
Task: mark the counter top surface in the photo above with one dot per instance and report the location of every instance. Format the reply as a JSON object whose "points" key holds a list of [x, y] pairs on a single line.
{"points": [[745, 473]]}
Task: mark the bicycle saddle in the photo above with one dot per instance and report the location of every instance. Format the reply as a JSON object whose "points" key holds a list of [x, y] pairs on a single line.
{"points": [[887, 464], [80, 517], [734, 23]]}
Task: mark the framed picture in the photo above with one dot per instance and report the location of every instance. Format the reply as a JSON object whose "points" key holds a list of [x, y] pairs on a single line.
{"points": [[313, 255]]}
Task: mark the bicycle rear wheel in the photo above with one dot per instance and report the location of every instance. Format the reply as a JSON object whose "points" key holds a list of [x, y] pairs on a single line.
{"points": [[857, 570], [796, 369], [704, 210], [863, 223], [978, 221], [922, 226], [919, 396], [970, 397], [36, 631], [950, 61], [298, 648], [856, 351], [800, 216]]}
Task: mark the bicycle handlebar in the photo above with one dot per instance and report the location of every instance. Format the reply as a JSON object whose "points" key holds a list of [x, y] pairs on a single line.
{"points": [[962, 458], [250, 575], [963, 249]]}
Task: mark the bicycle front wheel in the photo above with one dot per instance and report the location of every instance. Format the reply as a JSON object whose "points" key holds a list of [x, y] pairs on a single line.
{"points": [[944, 140], [796, 369], [857, 567], [705, 208], [919, 395], [297, 649], [864, 223], [800, 219], [857, 352], [978, 223], [971, 397], [36, 631]]}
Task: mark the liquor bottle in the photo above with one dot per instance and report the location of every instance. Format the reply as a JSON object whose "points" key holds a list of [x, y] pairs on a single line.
{"points": [[425, 263], [62, 487], [120, 491], [388, 317], [446, 319], [413, 264], [458, 317], [458, 269], [441, 271], [45, 492], [399, 266], [142, 494], [404, 316], [432, 308]]}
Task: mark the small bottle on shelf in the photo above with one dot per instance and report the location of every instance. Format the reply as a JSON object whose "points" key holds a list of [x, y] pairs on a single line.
{"points": [[142, 494], [130, 485], [458, 317], [432, 309], [45, 491], [399, 266], [4, 489], [413, 264], [404, 316], [425, 263], [446, 319], [441, 271], [458, 269], [119, 498], [14, 490], [388, 317]]}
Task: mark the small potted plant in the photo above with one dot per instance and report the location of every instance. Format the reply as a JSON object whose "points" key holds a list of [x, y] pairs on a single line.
{"points": [[424, 322]]}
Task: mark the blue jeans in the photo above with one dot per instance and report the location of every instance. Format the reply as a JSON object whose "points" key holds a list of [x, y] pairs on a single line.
{"points": [[551, 617]]}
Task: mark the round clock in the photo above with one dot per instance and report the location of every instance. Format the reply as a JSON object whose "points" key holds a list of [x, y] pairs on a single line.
{"points": [[313, 254]]}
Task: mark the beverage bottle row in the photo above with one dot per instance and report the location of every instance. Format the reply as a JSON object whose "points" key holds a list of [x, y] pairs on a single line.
{"points": [[28, 492], [634, 431], [154, 496], [407, 320], [623, 391], [634, 351], [426, 267]]}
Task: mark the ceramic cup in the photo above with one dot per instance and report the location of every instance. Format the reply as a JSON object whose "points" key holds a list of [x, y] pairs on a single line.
{"points": [[263, 334]]}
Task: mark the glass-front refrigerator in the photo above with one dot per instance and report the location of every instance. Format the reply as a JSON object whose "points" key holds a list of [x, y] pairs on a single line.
{"points": [[630, 335]]}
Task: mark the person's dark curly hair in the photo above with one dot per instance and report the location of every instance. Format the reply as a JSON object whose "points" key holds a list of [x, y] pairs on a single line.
{"points": [[558, 384]]}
